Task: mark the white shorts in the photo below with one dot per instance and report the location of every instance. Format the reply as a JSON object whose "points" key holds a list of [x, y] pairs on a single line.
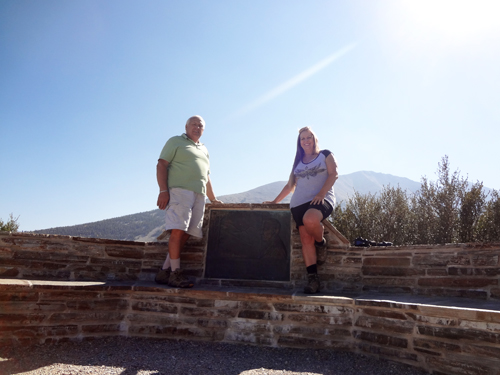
{"points": [[185, 211]]}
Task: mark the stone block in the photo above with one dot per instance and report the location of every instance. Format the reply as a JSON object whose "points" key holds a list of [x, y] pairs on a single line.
{"points": [[251, 305], [488, 316], [153, 330], [350, 260], [388, 289], [391, 271], [458, 334], [18, 296], [104, 304], [255, 327], [101, 328], [456, 282], [485, 260], [303, 342], [345, 320], [318, 309], [390, 281], [67, 295], [387, 352], [9, 272], [260, 315], [154, 307], [116, 263], [384, 325], [432, 260], [386, 262], [465, 367], [66, 317], [56, 330], [249, 338], [124, 252], [438, 346], [460, 260], [207, 313], [437, 271], [448, 292], [438, 320], [212, 323], [29, 319], [137, 318], [381, 339], [389, 314], [386, 304]]}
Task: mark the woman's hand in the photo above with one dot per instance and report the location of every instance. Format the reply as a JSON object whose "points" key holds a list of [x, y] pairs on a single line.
{"points": [[318, 199]]}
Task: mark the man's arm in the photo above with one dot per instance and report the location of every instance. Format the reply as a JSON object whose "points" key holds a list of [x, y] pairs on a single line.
{"points": [[210, 192], [162, 178]]}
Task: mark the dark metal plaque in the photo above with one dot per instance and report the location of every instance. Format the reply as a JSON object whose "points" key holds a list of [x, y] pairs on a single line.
{"points": [[248, 245]]}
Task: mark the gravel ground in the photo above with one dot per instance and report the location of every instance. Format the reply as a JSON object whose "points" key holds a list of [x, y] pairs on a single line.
{"points": [[137, 356]]}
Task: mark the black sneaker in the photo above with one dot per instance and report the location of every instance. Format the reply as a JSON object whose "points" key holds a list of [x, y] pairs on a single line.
{"points": [[321, 251], [178, 280], [162, 276], [312, 284]]}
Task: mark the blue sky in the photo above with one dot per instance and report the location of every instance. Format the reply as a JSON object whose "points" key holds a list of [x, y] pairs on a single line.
{"points": [[91, 90]]}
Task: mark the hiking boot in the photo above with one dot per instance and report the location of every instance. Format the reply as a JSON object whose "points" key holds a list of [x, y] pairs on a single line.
{"points": [[178, 280], [162, 276], [312, 284], [321, 251]]}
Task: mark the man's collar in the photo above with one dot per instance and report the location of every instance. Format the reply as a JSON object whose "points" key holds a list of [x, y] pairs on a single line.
{"points": [[184, 135]]}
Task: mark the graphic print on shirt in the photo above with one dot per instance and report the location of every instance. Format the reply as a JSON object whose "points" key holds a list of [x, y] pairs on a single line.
{"points": [[306, 173]]}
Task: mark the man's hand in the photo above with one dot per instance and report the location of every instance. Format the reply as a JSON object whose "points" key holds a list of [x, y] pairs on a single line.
{"points": [[216, 201], [163, 199]]}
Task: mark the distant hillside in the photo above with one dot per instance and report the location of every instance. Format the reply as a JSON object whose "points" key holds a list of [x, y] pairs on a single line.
{"points": [[362, 182], [146, 226]]}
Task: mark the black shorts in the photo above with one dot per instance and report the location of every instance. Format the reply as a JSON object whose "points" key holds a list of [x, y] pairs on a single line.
{"points": [[299, 211]]}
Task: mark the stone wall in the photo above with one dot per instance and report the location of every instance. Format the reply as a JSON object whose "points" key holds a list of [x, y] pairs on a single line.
{"points": [[460, 270], [425, 334], [435, 307]]}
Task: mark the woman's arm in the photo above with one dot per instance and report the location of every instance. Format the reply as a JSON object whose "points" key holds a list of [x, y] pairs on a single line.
{"points": [[287, 189], [333, 175]]}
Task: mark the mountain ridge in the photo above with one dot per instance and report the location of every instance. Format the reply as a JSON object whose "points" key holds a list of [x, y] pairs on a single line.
{"points": [[146, 226]]}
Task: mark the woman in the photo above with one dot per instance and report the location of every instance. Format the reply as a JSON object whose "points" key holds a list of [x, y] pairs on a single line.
{"points": [[313, 174]]}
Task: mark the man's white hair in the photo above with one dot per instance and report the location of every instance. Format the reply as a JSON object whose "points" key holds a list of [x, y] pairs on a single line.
{"points": [[195, 116]]}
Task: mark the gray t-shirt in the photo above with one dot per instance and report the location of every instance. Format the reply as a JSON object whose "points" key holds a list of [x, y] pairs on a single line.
{"points": [[310, 178]]}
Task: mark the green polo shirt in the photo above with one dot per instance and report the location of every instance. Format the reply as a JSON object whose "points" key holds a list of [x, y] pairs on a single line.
{"points": [[188, 164]]}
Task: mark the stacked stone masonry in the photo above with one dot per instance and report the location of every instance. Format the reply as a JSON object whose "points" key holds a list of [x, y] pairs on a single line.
{"points": [[434, 307]]}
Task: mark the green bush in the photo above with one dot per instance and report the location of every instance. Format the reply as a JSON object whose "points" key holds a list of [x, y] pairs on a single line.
{"points": [[449, 210], [11, 225]]}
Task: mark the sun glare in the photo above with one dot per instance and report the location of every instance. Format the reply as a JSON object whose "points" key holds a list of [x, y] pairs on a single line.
{"points": [[457, 19]]}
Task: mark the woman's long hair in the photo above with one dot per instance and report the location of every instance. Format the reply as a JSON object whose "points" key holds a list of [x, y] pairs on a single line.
{"points": [[300, 151]]}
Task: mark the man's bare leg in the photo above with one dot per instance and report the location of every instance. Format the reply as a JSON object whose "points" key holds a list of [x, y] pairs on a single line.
{"points": [[178, 239]]}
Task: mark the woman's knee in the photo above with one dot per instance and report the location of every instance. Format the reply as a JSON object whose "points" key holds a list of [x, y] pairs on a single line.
{"points": [[312, 218]]}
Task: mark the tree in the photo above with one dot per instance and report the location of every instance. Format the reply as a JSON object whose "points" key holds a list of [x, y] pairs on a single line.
{"points": [[395, 216], [11, 225], [472, 205], [489, 221], [449, 210]]}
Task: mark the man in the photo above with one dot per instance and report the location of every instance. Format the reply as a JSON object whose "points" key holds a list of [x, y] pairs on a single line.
{"points": [[183, 178]]}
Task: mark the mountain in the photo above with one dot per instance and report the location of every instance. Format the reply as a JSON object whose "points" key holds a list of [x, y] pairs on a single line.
{"points": [[363, 182], [146, 226]]}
